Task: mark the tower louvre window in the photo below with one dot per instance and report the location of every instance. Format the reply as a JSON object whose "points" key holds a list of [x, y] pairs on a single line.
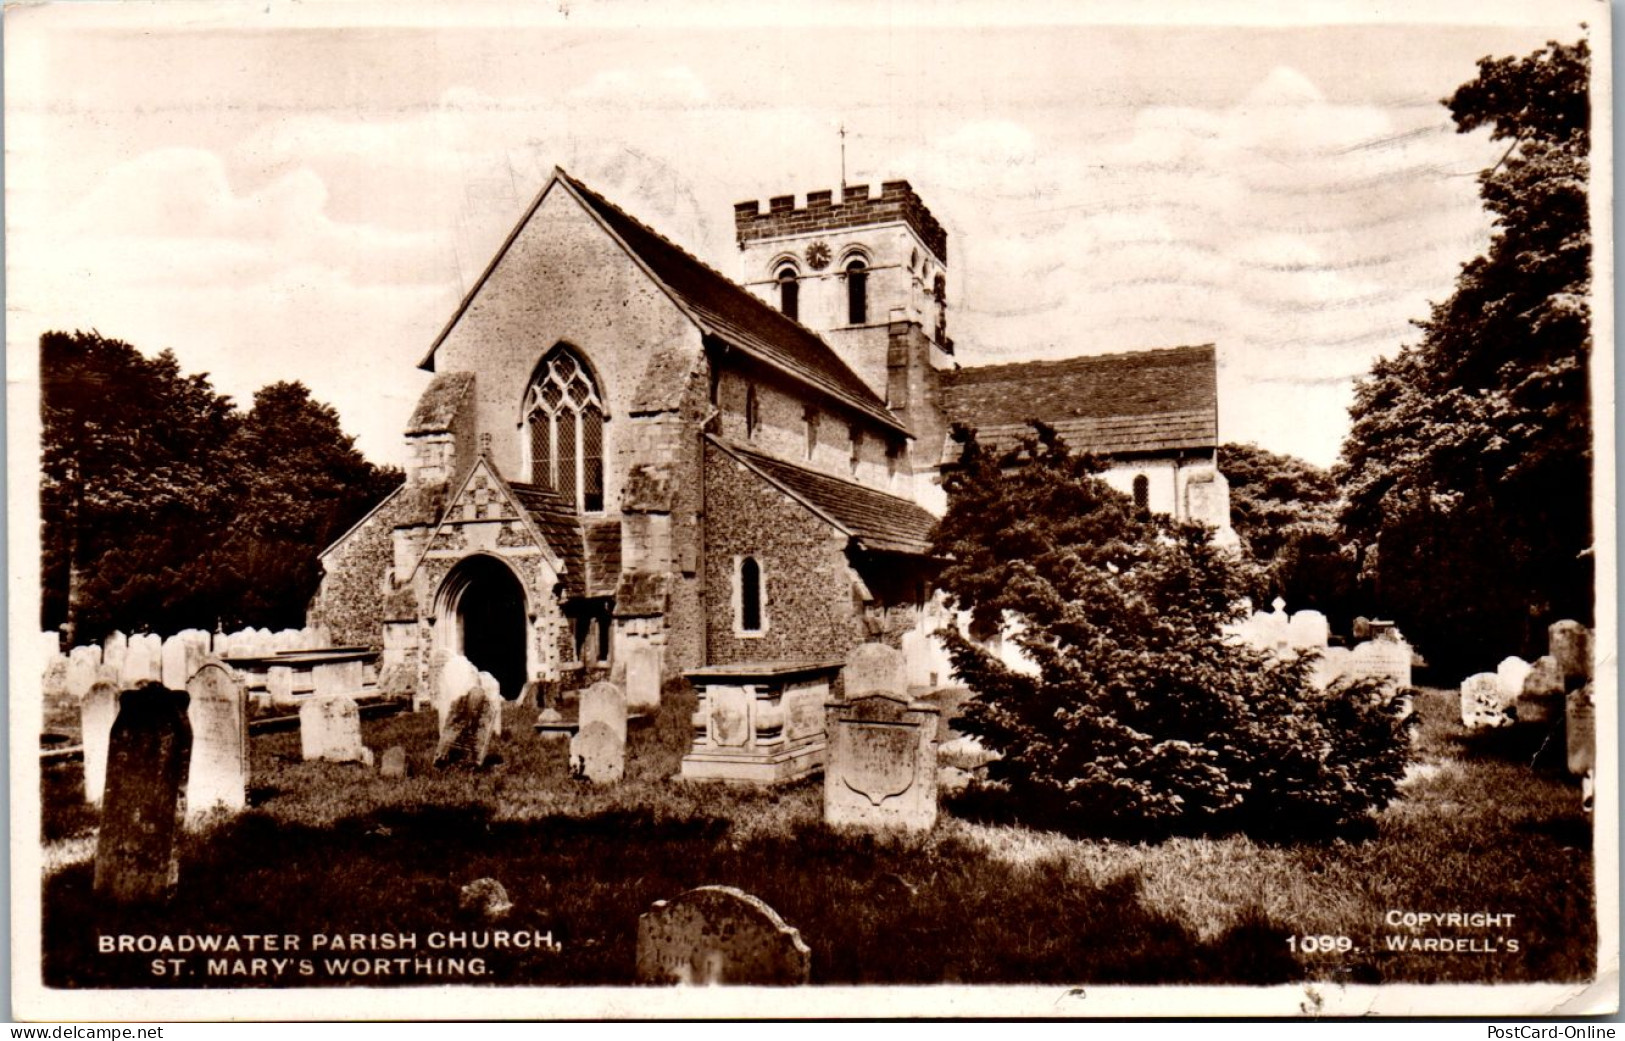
{"points": [[857, 292], [565, 416], [789, 292]]}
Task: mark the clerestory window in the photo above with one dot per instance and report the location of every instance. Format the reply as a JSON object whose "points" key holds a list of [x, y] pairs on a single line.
{"points": [[564, 417]]}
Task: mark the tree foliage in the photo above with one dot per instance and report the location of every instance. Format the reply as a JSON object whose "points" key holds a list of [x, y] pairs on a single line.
{"points": [[1141, 717], [1467, 470], [165, 507], [1285, 511]]}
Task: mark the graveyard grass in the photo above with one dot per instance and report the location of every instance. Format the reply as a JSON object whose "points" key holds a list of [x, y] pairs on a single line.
{"points": [[336, 849]]}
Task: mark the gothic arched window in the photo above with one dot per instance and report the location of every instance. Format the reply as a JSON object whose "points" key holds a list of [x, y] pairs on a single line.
{"points": [[857, 292], [564, 418], [789, 292]]}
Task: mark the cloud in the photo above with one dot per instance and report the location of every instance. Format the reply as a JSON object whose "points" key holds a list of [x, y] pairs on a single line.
{"points": [[1299, 234]]}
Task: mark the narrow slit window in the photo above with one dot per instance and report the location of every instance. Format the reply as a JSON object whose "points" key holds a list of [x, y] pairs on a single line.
{"points": [[753, 417], [1142, 492], [750, 595]]}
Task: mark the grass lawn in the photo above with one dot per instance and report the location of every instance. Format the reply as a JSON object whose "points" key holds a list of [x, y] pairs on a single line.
{"points": [[328, 849]]}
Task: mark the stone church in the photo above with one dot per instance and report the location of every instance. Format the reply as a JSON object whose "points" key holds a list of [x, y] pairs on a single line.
{"points": [[628, 465]]}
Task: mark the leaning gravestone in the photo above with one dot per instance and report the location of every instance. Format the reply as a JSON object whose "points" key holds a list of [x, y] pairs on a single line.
{"points": [[219, 716], [149, 749], [330, 729], [718, 934], [96, 714], [470, 725], [1541, 698], [1483, 703]]}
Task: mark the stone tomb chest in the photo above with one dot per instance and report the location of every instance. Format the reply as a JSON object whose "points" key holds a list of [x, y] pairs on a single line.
{"points": [[761, 722]]}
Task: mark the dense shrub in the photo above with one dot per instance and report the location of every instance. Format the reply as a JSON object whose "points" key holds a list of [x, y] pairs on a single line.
{"points": [[1140, 716]]}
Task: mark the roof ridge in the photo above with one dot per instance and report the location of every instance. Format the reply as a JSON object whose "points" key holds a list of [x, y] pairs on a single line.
{"points": [[762, 305], [1082, 359]]}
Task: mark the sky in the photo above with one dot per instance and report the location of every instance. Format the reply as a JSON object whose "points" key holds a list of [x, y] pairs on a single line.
{"points": [[305, 191]]}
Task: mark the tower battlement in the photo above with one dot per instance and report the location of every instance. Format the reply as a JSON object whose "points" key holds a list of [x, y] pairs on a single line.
{"points": [[897, 201]]}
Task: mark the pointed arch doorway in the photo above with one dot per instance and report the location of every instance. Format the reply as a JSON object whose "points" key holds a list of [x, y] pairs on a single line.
{"points": [[482, 612]]}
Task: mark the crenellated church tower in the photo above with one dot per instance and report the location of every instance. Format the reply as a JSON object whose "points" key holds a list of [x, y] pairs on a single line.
{"points": [[868, 273]]}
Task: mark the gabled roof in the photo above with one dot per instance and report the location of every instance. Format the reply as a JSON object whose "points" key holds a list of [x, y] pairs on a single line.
{"points": [[1109, 404], [876, 520], [560, 527], [548, 533], [720, 308]]}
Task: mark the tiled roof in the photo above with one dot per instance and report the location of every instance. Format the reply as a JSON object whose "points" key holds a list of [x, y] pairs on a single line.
{"points": [[1111, 404], [877, 520], [735, 316], [561, 528], [603, 544]]}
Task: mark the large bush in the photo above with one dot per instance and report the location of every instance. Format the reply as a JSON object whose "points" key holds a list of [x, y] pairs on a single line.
{"points": [[1141, 717]]}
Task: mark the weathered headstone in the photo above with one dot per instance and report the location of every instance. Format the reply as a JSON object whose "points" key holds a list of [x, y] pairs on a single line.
{"points": [[114, 646], [1512, 672], [470, 725], [1483, 702], [279, 686], [718, 934], [1308, 630], [393, 764], [1361, 628], [1580, 730], [598, 754], [882, 765], [604, 703], [1384, 659], [149, 749], [643, 675], [218, 713], [493, 696], [140, 662], [82, 665], [96, 714], [1541, 697], [330, 729], [484, 898], [873, 667], [1570, 645]]}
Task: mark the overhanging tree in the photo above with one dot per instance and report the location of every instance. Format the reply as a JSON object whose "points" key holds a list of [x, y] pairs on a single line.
{"points": [[1142, 718], [1467, 470]]}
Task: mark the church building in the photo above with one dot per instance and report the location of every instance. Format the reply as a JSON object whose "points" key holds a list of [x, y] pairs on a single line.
{"points": [[628, 465]]}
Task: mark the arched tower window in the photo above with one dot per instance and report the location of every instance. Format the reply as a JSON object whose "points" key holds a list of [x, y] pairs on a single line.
{"points": [[857, 292], [750, 595], [564, 417], [789, 292], [1142, 492]]}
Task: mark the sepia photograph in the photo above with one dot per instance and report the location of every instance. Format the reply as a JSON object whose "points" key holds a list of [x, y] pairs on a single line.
{"points": [[601, 510]]}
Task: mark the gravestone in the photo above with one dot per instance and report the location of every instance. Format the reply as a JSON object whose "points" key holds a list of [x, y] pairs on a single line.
{"points": [[96, 714], [82, 665], [1570, 646], [140, 664], [882, 764], [718, 934], [874, 667], [114, 646], [1308, 630], [1384, 659], [218, 713], [330, 729], [1484, 703], [279, 686], [393, 764], [470, 726], [1580, 730], [456, 678], [604, 703], [148, 752], [1512, 672], [1541, 699], [598, 754], [1361, 628], [643, 667], [493, 695]]}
